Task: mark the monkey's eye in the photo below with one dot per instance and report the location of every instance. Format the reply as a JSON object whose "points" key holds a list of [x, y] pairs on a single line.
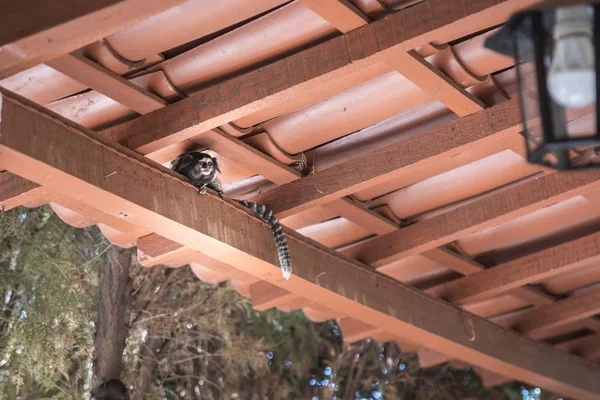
{"points": [[203, 164]]}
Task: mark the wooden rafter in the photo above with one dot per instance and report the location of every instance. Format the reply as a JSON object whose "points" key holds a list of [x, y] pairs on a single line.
{"points": [[490, 379], [339, 62], [33, 32], [435, 82], [340, 13], [488, 211], [345, 17], [107, 82], [532, 268], [16, 191], [466, 140], [468, 267], [585, 346], [429, 358], [150, 196], [562, 312]]}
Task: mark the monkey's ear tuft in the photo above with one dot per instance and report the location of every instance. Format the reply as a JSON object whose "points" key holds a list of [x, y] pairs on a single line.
{"points": [[216, 163]]}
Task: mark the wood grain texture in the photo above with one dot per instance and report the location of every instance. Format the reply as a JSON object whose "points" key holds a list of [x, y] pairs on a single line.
{"points": [[583, 346], [333, 61], [354, 330], [488, 128], [340, 13], [265, 296], [488, 211], [468, 267], [533, 268], [33, 32], [280, 173], [72, 159], [429, 358], [107, 82], [491, 379], [562, 312], [11, 187], [442, 88], [154, 249], [248, 156], [359, 214]]}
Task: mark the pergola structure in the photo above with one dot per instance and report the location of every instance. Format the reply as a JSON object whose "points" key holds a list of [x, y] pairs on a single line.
{"points": [[381, 132]]}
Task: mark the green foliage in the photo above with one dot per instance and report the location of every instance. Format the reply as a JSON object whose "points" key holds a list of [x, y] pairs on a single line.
{"points": [[49, 274], [197, 334], [187, 339]]}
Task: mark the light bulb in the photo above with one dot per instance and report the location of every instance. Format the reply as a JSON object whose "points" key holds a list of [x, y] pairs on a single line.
{"points": [[572, 77]]}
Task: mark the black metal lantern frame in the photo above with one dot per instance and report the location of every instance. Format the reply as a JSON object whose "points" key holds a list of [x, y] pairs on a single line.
{"points": [[528, 37]]}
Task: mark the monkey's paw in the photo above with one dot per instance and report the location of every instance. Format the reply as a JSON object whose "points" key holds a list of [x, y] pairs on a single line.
{"points": [[202, 191]]}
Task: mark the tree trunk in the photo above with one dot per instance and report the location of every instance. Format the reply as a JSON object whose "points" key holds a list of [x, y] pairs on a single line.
{"points": [[113, 310]]}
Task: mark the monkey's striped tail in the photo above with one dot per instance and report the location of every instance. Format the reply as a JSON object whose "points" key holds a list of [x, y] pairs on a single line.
{"points": [[282, 248]]}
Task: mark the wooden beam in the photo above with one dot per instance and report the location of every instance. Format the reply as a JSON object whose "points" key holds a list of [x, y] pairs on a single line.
{"points": [[562, 312], [441, 87], [488, 211], [108, 83], [468, 267], [87, 216], [33, 32], [488, 129], [265, 296], [149, 195], [361, 215], [16, 191], [354, 330], [584, 346], [342, 60], [532, 268], [491, 379], [280, 173], [345, 17], [247, 156], [339, 13], [154, 249], [430, 358]]}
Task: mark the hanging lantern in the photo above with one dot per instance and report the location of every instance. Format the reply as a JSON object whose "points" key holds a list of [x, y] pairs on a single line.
{"points": [[554, 47]]}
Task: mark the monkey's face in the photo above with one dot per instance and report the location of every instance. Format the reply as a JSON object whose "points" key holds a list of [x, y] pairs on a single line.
{"points": [[204, 167]]}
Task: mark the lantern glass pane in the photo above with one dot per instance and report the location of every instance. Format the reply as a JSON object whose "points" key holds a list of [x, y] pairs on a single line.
{"points": [[557, 69]]}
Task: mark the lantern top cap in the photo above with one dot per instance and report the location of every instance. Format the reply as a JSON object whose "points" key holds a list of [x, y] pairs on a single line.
{"points": [[548, 5]]}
